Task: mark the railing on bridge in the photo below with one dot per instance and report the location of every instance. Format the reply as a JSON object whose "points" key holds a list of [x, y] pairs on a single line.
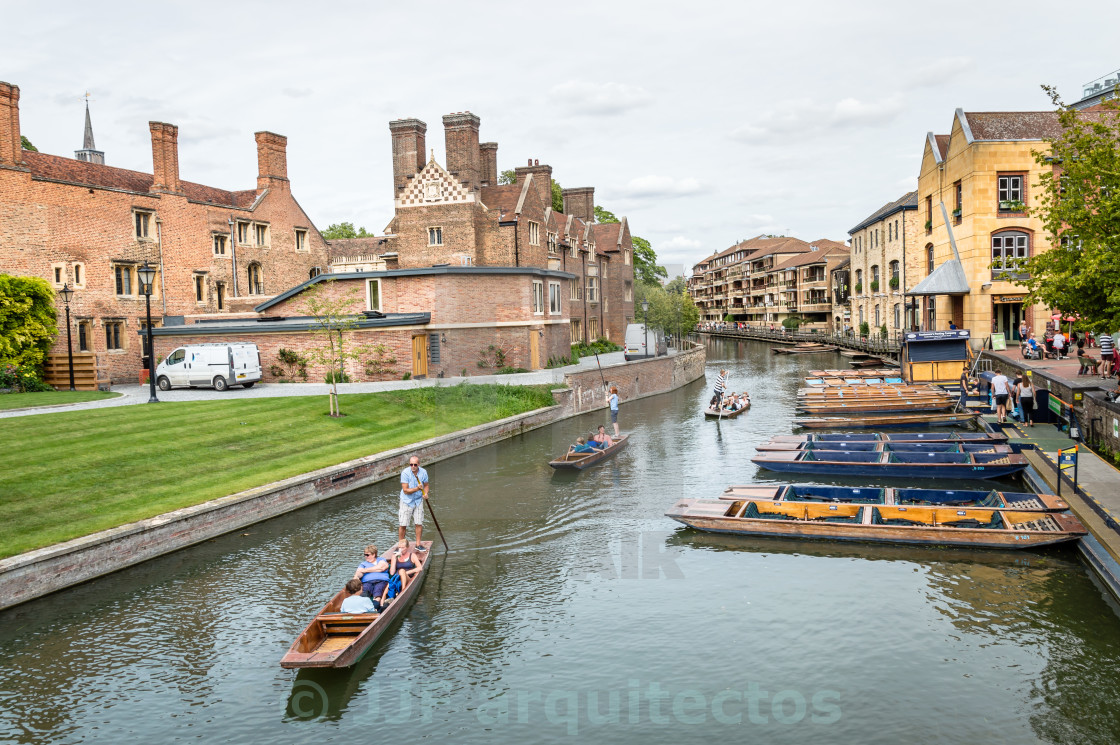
{"points": [[876, 345]]}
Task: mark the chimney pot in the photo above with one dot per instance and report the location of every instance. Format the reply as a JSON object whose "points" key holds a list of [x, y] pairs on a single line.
{"points": [[11, 146], [165, 157]]}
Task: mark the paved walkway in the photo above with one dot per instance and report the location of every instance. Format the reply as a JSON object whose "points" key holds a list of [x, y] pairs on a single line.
{"points": [[137, 394], [1065, 370]]}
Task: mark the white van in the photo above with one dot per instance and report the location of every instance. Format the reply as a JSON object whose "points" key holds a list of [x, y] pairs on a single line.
{"points": [[636, 339], [216, 365]]}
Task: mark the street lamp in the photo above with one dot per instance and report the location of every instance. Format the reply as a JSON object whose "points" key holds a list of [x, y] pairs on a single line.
{"points": [[147, 275], [67, 293], [645, 327]]}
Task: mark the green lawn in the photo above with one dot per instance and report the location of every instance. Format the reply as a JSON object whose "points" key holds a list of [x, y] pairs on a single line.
{"points": [[68, 474], [51, 398]]}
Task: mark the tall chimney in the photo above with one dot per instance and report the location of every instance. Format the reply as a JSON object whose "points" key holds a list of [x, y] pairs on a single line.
{"points": [[272, 161], [165, 157], [542, 175], [11, 147], [408, 150], [488, 158], [580, 202], [460, 132]]}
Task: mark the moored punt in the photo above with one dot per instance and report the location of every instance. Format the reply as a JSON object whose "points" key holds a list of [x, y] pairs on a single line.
{"points": [[941, 526], [868, 391], [335, 639], [935, 446], [907, 405], [808, 348], [871, 362], [998, 500], [725, 413], [893, 437], [890, 420], [579, 461], [883, 372], [894, 464]]}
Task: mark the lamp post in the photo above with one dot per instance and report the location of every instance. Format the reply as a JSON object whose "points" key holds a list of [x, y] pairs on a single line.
{"points": [[67, 293], [645, 326], [147, 276]]}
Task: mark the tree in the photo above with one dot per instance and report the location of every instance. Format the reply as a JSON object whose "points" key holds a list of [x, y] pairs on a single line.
{"points": [[505, 178], [668, 311], [646, 270], [604, 216], [26, 144], [344, 230], [334, 317], [28, 322], [1080, 209], [510, 177], [677, 284]]}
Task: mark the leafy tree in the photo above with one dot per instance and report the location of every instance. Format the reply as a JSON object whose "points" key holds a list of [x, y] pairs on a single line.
{"points": [[334, 317], [793, 322], [666, 309], [1080, 210], [677, 284], [646, 270], [505, 178], [26, 144], [28, 322], [345, 230], [604, 216]]}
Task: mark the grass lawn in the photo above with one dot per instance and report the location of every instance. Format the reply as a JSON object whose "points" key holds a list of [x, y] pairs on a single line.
{"points": [[68, 474], [51, 398]]}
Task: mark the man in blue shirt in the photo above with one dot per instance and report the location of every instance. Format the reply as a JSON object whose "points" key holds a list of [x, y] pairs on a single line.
{"points": [[414, 490]]}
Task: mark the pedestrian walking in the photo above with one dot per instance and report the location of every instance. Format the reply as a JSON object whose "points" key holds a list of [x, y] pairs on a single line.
{"points": [[1001, 391], [1107, 355], [414, 490], [612, 402]]}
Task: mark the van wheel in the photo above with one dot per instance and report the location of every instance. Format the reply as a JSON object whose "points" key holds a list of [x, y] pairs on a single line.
{"points": [[248, 385], [220, 383], [163, 383]]}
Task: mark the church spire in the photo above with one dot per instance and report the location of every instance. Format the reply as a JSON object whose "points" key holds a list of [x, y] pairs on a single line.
{"points": [[89, 152]]}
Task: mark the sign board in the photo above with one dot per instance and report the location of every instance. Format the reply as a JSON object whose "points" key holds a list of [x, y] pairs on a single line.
{"points": [[1005, 299], [950, 335], [999, 342], [1055, 405], [1067, 458]]}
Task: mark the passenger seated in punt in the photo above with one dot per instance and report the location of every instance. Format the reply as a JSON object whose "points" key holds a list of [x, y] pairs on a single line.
{"points": [[373, 573], [730, 403], [406, 563], [602, 437], [357, 602], [583, 446]]}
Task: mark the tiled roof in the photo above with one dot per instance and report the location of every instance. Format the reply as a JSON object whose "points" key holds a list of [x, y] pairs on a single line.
{"points": [[359, 246], [942, 144], [907, 201], [605, 235], [58, 168], [812, 257], [502, 198], [1013, 125]]}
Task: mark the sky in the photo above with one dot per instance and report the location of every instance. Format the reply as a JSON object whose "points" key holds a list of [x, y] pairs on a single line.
{"points": [[703, 123]]}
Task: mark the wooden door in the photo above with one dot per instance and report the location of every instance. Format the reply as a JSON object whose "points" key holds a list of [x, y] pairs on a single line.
{"points": [[534, 350], [420, 356]]}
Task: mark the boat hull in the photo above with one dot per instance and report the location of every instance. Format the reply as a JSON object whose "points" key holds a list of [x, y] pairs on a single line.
{"points": [[901, 420], [894, 470], [715, 413], [573, 462]]}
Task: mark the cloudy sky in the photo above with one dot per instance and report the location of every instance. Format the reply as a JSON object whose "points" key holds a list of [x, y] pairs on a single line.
{"points": [[703, 122]]}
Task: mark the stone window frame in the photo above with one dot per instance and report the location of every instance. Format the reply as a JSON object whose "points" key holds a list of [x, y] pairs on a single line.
{"points": [[538, 297], [219, 244], [121, 272], [555, 306], [372, 294], [314, 272], [534, 233], [115, 333], [58, 274], [592, 334], [626, 256], [220, 295], [142, 224], [628, 291], [576, 291], [249, 276], [575, 330], [575, 249], [243, 233], [199, 285], [435, 235], [958, 194], [301, 240], [592, 288], [85, 334], [929, 258], [553, 243], [78, 269], [262, 235]]}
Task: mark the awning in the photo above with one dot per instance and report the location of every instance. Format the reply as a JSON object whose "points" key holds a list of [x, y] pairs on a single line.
{"points": [[947, 279]]}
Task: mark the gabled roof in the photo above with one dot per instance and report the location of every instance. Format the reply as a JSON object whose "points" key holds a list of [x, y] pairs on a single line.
{"points": [[433, 185], [908, 201], [359, 246], [502, 198], [1002, 126], [813, 257]]}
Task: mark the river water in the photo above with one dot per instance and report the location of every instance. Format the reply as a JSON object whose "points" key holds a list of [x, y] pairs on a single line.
{"points": [[570, 607]]}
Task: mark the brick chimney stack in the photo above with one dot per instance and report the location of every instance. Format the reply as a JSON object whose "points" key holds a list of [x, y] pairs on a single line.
{"points": [[460, 132], [580, 202], [409, 152], [488, 157], [542, 175], [165, 157], [11, 147], [272, 161]]}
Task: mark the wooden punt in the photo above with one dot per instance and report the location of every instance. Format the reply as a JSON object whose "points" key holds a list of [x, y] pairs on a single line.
{"points": [[865, 390], [335, 639], [891, 420], [810, 348], [996, 500], [715, 413], [870, 362], [876, 446], [579, 461], [935, 526], [883, 372], [905, 405], [906, 465], [893, 437]]}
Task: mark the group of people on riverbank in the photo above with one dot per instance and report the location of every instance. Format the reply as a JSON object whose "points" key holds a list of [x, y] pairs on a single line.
{"points": [[1020, 393], [379, 579]]}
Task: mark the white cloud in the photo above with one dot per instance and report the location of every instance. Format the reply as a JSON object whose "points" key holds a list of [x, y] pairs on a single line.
{"points": [[941, 71], [599, 99], [661, 186], [678, 243], [806, 116]]}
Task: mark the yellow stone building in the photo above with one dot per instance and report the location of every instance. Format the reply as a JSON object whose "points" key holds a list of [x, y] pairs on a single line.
{"points": [[975, 186], [879, 275]]}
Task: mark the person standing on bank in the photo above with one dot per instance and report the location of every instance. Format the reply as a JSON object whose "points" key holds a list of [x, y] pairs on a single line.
{"points": [[612, 401], [1025, 392], [1001, 389], [414, 490]]}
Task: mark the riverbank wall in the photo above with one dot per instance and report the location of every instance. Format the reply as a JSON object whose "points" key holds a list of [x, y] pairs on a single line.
{"points": [[43, 571]]}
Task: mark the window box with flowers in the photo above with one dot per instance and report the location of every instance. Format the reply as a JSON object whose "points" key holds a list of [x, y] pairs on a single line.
{"points": [[874, 285], [894, 283], [859, 287], [1011, 205], [929, 226], [957, 213]]}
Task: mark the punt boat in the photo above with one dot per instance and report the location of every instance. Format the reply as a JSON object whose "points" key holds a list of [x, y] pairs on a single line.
{"points": [[905, 405], [725, 414], [935, 446], [579, 461], [335, 639], [871, 362], [995, 500], [895, 437], [808, 348], [935, 526], [887, 420], [894, 464]]}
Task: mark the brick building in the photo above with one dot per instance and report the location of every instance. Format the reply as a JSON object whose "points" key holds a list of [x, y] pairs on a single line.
{"points": [[80, 222], [879, 276]]}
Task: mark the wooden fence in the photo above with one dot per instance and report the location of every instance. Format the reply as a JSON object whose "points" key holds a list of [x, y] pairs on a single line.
{"points": [[89, 375]]}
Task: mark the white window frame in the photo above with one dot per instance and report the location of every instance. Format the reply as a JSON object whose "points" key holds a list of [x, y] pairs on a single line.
{"points": [[1011, 188], [553, 242], [575, 249], [538, 297], [534, 233], [435, 235], [1020, 249], [370, 284], [576, 292], [555, 307], [592, 288]]}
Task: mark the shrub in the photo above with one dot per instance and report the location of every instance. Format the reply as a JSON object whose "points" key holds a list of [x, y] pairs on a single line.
{"points": [[883, 331], [381, 363], [336, 376], [406, 376], [599, 346], [22, 378], [792, 323], [511, 370], [294, 365], [864, 329]]}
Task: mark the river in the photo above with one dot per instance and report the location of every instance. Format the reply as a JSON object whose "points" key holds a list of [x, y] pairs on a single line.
{"points": [[570, 607]]}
